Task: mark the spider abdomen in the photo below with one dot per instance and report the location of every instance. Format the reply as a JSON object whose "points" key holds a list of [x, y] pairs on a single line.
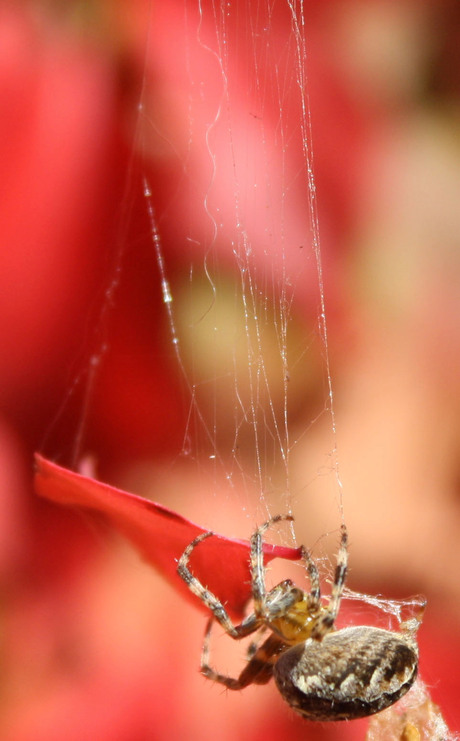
{"points": [[351, 673]]}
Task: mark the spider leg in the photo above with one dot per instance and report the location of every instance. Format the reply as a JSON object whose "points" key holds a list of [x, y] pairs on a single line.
{"points": [[258, 670], [313, 575], [257, 565], [254, 645], [326, 621], [249, 624]]}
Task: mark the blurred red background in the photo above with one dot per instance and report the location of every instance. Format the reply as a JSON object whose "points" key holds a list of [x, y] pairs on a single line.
{"points": [[95, 645]]}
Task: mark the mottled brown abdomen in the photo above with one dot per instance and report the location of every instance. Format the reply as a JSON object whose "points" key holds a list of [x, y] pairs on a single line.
{"points": [[351, 673]]}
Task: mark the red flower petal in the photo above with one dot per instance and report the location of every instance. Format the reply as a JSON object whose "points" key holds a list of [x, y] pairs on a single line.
{"points": [[161, 534]]}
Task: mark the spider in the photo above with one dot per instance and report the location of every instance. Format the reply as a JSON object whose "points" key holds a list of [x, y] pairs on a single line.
{"points": [[323, 674]]}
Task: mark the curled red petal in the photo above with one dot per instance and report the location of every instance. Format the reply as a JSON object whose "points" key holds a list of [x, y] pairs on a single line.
{"points": [[161, 534]]}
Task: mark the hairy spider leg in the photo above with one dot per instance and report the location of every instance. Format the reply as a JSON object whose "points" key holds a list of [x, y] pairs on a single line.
{"points": [[249, 624], [258, 670], [326, 621], [313, 574], [254, 645], [257, 565]]}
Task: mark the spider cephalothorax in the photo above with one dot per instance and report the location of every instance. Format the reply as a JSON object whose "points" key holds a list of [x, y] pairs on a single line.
{"points": [[322, 673]]}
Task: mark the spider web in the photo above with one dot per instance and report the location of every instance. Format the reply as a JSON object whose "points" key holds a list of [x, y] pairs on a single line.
{"points": [[222, 164], [225, 140], [227, 181], [247, 319]]}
